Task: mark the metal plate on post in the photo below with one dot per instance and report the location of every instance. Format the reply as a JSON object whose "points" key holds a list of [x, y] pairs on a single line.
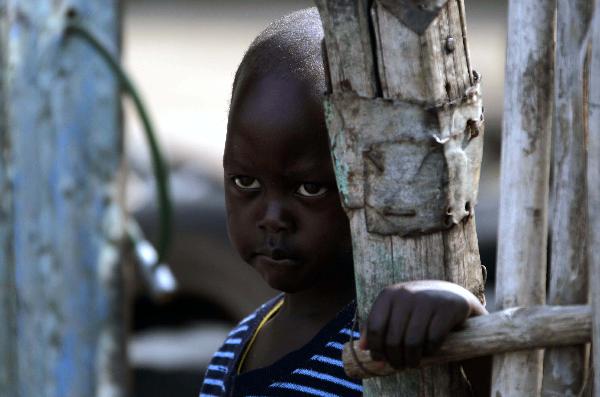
{"points": [[423, 176], [409, 196], [415, 14]]}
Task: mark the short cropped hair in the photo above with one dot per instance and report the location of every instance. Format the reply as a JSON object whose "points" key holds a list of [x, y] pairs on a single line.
{"points": [[293, 44]]}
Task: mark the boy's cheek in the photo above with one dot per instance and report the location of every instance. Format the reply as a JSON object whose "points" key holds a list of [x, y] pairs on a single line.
{"points": [[239, 238], [242, 246]]}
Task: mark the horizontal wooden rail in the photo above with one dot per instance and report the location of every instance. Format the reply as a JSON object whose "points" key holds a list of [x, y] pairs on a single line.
{"points": [[508, 330]]}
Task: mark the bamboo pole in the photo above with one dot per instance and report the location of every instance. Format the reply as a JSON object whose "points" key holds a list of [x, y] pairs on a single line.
{"points": [[565, 368], [66, 222], [593, 180], [500, 332], [407, 186], [521, 266]]}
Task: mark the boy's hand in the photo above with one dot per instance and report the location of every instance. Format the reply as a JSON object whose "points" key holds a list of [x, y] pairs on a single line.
{"points": [[409, 319]]}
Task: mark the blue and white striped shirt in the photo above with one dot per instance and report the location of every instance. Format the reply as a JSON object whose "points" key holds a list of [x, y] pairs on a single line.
{"points": [[314, 370]]}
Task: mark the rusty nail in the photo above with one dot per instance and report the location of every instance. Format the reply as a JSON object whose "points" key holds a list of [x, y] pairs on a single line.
{"points": [[448, 221], [450, 44], [473, 129]]}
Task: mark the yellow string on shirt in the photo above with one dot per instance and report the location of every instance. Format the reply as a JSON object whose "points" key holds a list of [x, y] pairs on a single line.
{"points": [[262, 323]]}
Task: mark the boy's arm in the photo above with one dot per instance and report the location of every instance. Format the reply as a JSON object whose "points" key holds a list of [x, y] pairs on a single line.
{"points": [[412, 318]]}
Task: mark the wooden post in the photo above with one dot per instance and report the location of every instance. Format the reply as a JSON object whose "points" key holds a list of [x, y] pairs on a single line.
{"points": [[564, 368], [61, 218], [521, 266], [593, 179], [407, 162]]}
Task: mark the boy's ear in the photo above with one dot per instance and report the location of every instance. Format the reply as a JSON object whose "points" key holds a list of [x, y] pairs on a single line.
{"points": [[329, 87]]}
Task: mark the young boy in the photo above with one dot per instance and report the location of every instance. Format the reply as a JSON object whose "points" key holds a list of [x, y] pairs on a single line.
{"points": [[285, 220]]}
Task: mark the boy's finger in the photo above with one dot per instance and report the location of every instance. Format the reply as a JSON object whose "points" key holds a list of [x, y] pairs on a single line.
{"points": [[377, 356], [376, 326], [416, 333], [362, 342], [394, 342], [439, 328]]}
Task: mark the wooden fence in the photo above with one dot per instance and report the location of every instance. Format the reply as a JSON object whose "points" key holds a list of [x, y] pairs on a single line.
{"points": [[412, 61], [403, 88]]}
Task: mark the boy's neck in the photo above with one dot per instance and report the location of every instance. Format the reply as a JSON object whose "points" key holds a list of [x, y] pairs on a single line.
{"points": [[318, 304]]}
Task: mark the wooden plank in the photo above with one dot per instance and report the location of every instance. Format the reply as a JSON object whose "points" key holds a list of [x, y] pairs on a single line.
{"points": [[377, 143], [65, 154], [593, 180], [349, 48], [521, 265], [351, 67], [565, 368], [500, 332]]}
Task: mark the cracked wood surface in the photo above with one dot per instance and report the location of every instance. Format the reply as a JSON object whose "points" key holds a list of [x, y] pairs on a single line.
{"points": [[593, 201], [525, 165], [391, 61], [565, 368]]}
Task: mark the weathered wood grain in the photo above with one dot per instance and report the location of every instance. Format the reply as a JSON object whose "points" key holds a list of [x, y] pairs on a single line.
{"points": [[509, 330], [384, 141], [64, 152], [593, 201], [424, 76], [522, 231], [351, 68], [349, 48], [414, 69], [565, 368]]}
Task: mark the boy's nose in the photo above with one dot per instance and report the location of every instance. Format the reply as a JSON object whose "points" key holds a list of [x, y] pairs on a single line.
{"points": [[274, 219]]}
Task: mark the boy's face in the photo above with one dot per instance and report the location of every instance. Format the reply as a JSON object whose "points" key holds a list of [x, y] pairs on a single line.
{"points": [[283, 210]]}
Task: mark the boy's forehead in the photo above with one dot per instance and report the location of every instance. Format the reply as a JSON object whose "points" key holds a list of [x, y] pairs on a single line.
{"points": [[277, 147], [264, 163], [274, 92], [276, 106], [277, 124]]}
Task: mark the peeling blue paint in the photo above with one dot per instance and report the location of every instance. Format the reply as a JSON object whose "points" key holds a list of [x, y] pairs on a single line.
{"points": [[59, 196], [341, 175]]}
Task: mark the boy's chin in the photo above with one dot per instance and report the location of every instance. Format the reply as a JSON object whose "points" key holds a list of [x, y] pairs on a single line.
{"points": [[285, 283], [285, 278], [287, 286]]}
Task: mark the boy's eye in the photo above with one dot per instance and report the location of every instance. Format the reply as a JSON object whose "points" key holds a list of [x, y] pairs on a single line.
{"points": [[246, 182], [311, 190]]}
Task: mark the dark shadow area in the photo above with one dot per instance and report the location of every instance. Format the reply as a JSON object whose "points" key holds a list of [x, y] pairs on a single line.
{"points": [[153, 383], [180, 311]]}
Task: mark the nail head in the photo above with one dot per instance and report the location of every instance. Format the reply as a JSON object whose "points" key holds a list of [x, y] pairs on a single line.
{"points": [[450, 44]]}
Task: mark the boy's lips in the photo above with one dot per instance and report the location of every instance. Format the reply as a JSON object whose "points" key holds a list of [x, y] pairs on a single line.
{"points": [[277, 257], [267, 260]]}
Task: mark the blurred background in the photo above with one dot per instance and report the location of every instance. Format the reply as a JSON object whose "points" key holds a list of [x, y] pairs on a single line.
{"points": [[183, 55]]}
